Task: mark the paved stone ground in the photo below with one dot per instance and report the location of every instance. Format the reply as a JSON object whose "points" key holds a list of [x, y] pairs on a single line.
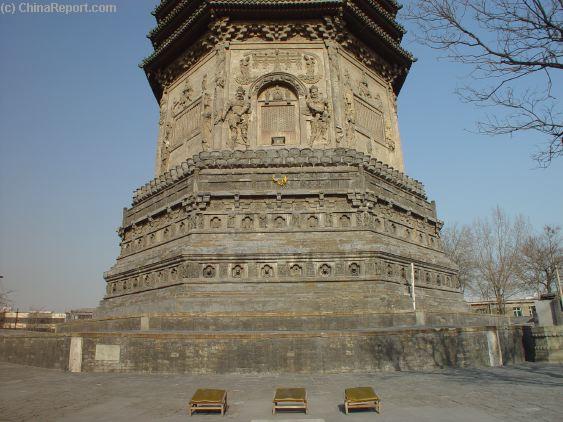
{"points": [[527, 392]]}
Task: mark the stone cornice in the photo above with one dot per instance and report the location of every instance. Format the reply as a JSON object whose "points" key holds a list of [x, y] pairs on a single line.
{"points": [[198, 13], [293, 157], [376, 29], [182, 4], [161, 6], [388, 18]]}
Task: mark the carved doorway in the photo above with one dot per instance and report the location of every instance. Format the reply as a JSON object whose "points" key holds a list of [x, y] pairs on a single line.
{"points": [[278, 116]]}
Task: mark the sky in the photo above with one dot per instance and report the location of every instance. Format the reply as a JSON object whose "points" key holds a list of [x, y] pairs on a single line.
{"points": [[78, 135]]}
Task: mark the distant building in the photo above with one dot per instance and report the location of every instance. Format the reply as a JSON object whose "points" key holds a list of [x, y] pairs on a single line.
{"points": [[80, 314], [32, 320], [515, 307]]}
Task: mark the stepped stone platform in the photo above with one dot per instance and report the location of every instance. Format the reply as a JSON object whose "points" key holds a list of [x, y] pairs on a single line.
{"points": [[313, 351]]}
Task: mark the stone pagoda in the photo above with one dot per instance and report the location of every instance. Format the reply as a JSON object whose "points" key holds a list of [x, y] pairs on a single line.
{"points": [[280, 232]]}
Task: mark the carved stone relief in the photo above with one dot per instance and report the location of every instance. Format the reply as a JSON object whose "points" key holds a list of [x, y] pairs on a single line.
{"points": [[279, 222], [237, 271], [344, 221], [267, 271], [259, 62], [363, 87], [206, 116], [320, 115], [349, 113], [296, 270], [209, 271], [237, 114], [325, 270], [165, 131], [184, 99], [215, 223], [311, 76], [303, 214]]}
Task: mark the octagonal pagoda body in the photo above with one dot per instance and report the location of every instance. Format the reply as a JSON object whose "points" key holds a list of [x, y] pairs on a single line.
{"points": [[276, 52], [279, 189]]}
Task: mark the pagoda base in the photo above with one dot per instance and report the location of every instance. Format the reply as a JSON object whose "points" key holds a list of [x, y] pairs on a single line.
{"points": [[216, 352]]}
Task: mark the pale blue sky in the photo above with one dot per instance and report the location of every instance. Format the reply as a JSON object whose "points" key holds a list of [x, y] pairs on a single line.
{"points": [[78, 132]]}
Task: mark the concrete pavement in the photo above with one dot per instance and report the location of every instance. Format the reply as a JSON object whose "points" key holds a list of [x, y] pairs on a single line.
{"points": [[519, 393]]}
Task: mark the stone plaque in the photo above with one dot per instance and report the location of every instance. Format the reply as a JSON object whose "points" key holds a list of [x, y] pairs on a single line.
{"points": [[187, 124], [370, 120], [109, 352], [278, 118]]}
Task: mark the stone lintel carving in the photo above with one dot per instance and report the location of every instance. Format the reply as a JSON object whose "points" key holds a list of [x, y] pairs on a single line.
{"points": [[277, 77], [256, 62]]}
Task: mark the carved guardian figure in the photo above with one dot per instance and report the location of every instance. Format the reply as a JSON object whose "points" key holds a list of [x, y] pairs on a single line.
{"points": [[318, 107], [236, 115]]}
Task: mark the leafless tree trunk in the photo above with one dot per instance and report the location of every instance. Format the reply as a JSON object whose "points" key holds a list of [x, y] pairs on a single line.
{"points": [[540, 256], [497, 244], [5, 300], [514, 48], [458, 246]]}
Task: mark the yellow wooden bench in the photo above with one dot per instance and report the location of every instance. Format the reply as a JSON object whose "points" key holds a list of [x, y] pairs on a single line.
{"points": [[208, 399], [290, 398], [361, 398]]}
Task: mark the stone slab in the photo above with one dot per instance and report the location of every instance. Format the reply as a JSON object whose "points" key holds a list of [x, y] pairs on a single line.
{"points": [[107, 352]]}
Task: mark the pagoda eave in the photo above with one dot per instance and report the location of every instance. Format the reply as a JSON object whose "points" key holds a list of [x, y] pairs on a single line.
{"points": [[190, 24]]}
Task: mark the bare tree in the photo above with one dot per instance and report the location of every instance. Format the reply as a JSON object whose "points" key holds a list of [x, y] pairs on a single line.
{"points": [[458, 246], [497, 244], [5, 300], [540, 256], [514, 49]]}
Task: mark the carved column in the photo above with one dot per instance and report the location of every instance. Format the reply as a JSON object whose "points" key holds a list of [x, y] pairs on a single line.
{"points": [[164, 128], [219, 93], [336, 94]]}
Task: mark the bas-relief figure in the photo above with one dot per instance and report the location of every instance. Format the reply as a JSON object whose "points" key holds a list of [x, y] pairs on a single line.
{"points": [[206, 114], [363, 86], [312, 72], [236, 115], [165, 131], [350, 117], [319, 110], [310, 64], [244, 65], [165, 146], [184, 99]]}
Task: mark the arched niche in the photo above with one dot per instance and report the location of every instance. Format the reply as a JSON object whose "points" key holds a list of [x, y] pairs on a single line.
{"points": [[278, 101]]}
